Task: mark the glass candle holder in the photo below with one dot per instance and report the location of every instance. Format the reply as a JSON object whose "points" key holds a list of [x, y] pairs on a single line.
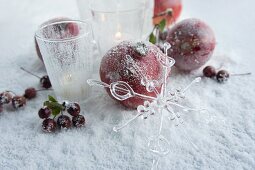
{"points": [[117, 20], [67, 51]]}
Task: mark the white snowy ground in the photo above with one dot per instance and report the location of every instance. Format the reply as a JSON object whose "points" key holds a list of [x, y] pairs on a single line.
{"points": [[223, 139]]}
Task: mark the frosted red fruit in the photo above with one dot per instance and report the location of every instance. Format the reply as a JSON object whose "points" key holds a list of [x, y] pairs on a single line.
{"points": [[209, 71], [49, 125], [162, 5], [5, 97], [30, 93], [73, 109], [18, 101], [132, 62], [78, 121], [192, 43], [44, 112], [64, 122]]}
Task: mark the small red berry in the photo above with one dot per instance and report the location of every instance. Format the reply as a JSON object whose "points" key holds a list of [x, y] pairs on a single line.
{"points": [[64, 122], [49, 125], [209, 71], [5, 98], [18, 101], [30, 93], [78, 121], [222, 76], [73, 109], [45, 82], [44, 112]]}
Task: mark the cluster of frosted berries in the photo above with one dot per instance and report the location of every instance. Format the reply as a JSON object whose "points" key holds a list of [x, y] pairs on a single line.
{"points": [[52, 110]]}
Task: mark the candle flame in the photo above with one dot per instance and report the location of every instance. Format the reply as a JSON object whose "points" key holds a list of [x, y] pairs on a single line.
{"points": [[118, 35]]}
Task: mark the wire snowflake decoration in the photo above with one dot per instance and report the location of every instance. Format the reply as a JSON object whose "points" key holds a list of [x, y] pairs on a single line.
{"points": [[164, 102]]}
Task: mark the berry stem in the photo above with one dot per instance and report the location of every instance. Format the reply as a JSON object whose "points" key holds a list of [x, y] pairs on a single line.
{"points": [[22, 68], [168, 11], [242, 74]]}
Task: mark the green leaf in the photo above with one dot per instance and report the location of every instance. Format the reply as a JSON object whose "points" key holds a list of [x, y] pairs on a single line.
{"points": [[152, 38], [55, 111], [162, 25], [53, 105], [52, 99]]}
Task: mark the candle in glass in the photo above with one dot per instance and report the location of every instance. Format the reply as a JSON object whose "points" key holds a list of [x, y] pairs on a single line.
{"points": [[117, 20], [67, 51]]}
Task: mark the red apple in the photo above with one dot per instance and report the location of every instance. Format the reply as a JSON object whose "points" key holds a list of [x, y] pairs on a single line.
{"points": [[131, 62], [162, 5], [192, 42]]}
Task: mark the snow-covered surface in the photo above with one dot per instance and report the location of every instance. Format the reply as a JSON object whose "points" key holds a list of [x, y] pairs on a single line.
{"points": [[221, 139]]}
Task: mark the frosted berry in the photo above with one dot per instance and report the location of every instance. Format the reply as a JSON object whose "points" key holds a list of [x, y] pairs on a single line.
{"points": [[5, 98], [30, 93], [73, 109], [49, 125], [222, 76], [18, 101], [44, 112], [64, 122], [45, 82], [78, 121], [209, 71]]}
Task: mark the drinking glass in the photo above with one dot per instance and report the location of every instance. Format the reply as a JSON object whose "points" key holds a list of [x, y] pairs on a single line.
{"points": [[117, 20], [67, 51]]}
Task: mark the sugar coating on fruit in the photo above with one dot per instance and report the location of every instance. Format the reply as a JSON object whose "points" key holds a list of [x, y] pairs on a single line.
{"points": [[192, 43], [73, 109], [64, 122], [141, 48], [78, 121], [124, 63], [222, 76], [49, 125], [18, 101], [5, 98]]}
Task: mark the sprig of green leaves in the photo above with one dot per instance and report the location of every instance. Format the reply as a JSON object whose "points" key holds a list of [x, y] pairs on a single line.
{"points": [[53, 104], [160, 27]]}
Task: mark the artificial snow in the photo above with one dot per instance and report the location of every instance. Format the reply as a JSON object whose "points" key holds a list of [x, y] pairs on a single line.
{"points": [[222, 138]]}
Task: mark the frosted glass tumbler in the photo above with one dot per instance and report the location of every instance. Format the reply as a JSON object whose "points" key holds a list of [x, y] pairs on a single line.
{"points": [[67, 51], [117, 20]]}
